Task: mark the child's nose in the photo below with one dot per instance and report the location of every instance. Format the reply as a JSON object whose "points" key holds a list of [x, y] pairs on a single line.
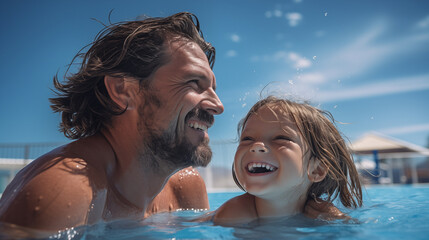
{"points": [[259, 147]]}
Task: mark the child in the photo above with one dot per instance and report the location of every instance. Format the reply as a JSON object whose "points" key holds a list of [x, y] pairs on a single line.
{"points": [[288, 153]]}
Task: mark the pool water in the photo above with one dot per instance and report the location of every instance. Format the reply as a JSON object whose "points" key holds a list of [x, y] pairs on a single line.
{"points": [[394, 212]]}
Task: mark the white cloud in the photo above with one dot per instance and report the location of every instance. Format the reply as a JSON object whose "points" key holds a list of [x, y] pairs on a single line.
{"points": [[231, 53], [366, 53], [424, 23], [389, 86], [321, 81], [294, 18], [306, 87], [312, 78], [235, 38], [406, 129], [277, 13], [293, 58], [298, 61]]}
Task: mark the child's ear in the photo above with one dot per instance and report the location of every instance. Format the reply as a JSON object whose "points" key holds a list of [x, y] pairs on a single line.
{"points": [[121, 91], [316, 170]]}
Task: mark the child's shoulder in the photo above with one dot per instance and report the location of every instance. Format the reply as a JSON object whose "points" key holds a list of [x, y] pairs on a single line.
{"points": [[236, 210]]}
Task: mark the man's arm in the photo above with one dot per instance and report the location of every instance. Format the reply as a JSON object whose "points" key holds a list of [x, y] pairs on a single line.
{"points": [[184, 190], [53, 200]]}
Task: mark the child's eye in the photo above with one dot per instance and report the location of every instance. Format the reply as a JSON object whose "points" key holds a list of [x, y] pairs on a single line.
{"points": [[281, 137], [246, 139]]}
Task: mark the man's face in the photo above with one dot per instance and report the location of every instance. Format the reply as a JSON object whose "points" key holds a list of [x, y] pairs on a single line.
{"points": [[179, 107]]}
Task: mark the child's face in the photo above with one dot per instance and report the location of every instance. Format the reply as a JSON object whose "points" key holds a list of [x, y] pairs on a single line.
{"points": [[270, 159]]}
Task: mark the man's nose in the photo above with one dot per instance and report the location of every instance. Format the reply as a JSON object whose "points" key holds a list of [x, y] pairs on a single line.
{"points": [[212, 103], [259, 147]]}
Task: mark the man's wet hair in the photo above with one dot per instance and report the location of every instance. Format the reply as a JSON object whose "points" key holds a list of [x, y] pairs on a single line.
{"points": [[127, 49]]}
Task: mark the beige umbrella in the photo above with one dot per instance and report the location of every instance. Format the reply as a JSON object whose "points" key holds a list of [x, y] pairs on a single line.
{"points": [[385, 147]]}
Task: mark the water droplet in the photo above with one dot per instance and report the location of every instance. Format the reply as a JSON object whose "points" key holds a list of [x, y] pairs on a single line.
{"points": [[326, 14], [314, 57], [339, 81], [40, 198], [69, 204], [290, 82], [335, 106], [372, 118], [244, 104], [108, 214], [391, 218], [37, 208]]}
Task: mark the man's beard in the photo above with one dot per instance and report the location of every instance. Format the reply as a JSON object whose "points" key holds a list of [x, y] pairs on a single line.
{"points": [[165, 147]]}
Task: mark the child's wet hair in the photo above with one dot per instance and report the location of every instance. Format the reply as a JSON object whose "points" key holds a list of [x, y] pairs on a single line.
{"points": [[324, 142]]}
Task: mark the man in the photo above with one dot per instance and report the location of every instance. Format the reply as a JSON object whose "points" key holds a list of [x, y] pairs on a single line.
{"points": [[139, 106]]}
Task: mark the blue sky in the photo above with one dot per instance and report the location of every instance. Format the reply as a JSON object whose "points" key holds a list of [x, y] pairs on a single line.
{"points": [[365, 61]]}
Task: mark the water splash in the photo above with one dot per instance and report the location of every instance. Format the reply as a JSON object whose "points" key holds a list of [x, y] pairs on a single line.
{"points": [[314, 57], [290, 82], [68, 233], [326, 14]]}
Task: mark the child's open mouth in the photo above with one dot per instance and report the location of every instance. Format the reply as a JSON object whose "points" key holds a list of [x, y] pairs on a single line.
{"points": [[255, 168]]}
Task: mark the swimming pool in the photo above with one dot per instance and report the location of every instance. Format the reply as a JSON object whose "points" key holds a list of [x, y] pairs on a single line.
{"points": [[394, 212]]}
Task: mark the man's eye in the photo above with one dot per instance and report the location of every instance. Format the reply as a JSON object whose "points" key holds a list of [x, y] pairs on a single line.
{"points": [[193, 82]]}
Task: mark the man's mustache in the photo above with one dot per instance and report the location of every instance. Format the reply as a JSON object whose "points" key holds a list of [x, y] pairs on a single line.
{"points": [[201, 115]]}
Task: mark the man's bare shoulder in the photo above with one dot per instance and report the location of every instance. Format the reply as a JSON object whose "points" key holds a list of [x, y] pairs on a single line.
{"points": [[236, 210], [53, 192], [189, 189], [184, 190]]}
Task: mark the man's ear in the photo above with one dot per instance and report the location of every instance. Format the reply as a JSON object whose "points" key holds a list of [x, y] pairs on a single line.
{"points": [[316, 170], [122, 92]]}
